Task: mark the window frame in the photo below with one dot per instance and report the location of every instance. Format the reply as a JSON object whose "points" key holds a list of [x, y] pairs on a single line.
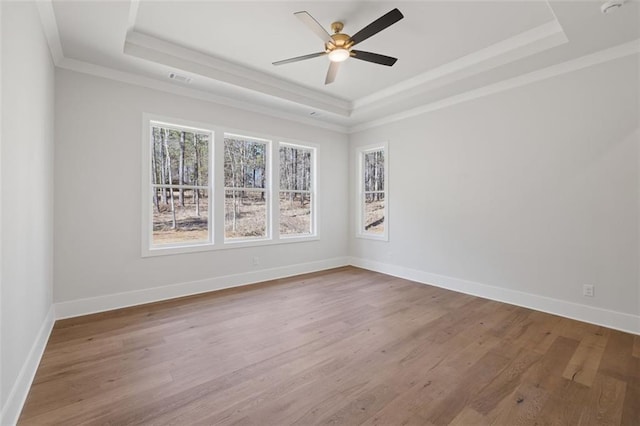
{"points": [[360, 153], [268, 165], [313, 192], [217, 192], [148, 248]]}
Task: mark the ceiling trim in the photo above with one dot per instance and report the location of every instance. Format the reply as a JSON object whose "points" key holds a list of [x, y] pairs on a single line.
{"points": [[609, 54], [525, 44], [152, 83], [50, 28], [133, 14], [52, 35], [153, 49]]}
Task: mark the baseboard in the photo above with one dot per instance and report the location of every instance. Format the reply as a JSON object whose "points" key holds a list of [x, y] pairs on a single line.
{"points": [[18, 395], [604, 317], [109, 302]]}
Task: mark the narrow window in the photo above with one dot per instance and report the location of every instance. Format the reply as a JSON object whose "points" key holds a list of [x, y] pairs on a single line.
{"points": [[372, 189], [297, 198]]}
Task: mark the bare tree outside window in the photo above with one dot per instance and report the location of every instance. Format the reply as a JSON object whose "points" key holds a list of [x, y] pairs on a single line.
{"points": [[296, 196], [180, 182]]}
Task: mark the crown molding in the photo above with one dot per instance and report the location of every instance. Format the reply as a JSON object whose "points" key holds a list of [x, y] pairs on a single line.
{"points": [[152, 83], [525, 44], [133, 14], [609, 54], [50, 29], [153, 49]]}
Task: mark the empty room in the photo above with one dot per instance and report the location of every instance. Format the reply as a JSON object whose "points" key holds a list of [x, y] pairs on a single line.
{"points": [[319, 212]]}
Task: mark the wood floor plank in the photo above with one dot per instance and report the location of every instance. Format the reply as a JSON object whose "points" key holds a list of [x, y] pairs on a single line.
{"points": [[584, 364], [605, 404], [522, 407], [344, 346], [636, 347], [631, 405]]}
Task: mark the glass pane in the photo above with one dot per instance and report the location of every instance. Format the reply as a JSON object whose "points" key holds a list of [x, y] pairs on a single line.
{"points": [[295, 213], [245, 214], [174, 223], [196, 159], [179, 157], [374, 213], [295, 168], [244, 163], [374, 171]]}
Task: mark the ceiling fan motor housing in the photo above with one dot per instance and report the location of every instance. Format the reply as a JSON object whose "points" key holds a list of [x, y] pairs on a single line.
{"points": [[340, 40]]}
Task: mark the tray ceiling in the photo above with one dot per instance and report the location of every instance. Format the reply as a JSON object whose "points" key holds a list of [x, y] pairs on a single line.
{"points": [[443, 48]]}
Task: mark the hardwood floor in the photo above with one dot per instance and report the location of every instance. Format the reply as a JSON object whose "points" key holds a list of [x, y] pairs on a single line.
{"points": [[345, 346]]}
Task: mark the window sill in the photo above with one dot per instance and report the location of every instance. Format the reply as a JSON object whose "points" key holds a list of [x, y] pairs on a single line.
{"points": [[373, 237], [228, 245]]}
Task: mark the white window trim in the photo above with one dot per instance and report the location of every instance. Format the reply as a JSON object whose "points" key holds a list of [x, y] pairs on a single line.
{"points": [[313, 190], [268, 163], [360, 151], [216, 184], [147, 222]]}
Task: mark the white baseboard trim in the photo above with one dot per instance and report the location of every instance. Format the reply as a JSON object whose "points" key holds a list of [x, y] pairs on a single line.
{"points": [[604, 317], [18, 395], [74, 308]]}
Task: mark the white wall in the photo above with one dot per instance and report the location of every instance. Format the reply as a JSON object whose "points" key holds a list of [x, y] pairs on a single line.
{"points": [[97, 192], [27, 199], [531, 190]]}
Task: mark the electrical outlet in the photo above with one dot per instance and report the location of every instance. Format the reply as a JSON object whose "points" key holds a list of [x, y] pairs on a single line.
{"points": [[256, 261], [587, 290]]}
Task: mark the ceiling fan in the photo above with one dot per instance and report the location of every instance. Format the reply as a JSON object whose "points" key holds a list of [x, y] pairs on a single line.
{"points": [[339, 46]]}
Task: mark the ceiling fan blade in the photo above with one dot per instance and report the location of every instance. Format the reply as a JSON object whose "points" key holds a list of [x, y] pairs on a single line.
{"points": [[376, 26], [299, 58], [373, 57], [314, 26], [332, 72]]}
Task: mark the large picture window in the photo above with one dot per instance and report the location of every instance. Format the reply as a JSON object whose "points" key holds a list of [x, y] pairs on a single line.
{"points": [[372, 192], [205, 190]]}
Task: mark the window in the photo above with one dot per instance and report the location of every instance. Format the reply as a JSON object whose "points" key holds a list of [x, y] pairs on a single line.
{"points": [[245, 188], [296, 190], [206, 190], [372, 192], [181, 191]]}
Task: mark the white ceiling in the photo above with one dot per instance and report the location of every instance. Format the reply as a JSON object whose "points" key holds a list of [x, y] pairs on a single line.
{"points": [[444, 49]]}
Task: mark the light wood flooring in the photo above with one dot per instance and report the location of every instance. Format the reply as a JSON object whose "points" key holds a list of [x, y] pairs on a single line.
{"points": [[344, 346]]}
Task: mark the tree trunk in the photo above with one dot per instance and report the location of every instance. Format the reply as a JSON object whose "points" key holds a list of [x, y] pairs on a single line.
{"points": [[181, 169], [163, 163], [376, 178], [196, 191], [165, 139], [232, 160], [154, 168]]}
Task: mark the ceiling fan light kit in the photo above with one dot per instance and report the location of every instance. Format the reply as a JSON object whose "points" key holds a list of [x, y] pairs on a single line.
{"points": [[338, 47], [339, 54]]}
